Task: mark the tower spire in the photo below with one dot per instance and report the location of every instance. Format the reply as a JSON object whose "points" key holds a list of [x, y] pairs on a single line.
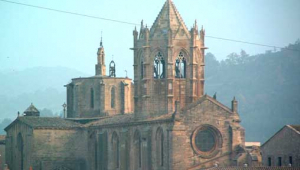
{"points": [[100, 66], [101, 44], [169, 19]]}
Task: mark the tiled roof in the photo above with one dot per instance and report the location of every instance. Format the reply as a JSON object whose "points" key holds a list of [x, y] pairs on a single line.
{"points": [[45, 122], [31, 109], [254, 168], [58, 123], [119, 120]]}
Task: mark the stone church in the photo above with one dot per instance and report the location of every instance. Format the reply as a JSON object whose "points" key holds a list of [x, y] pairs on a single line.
{"points": [[162, 120]]}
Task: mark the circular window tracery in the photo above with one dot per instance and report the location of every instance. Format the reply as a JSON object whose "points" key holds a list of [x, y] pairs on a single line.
{"points": [[206, 141]]}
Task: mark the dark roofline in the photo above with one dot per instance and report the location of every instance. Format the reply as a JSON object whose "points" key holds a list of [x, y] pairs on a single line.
{"points": [[14, 122], [101, 77], [96, 77], [201, 99], [132, 123], [288, 126], [43, 127], [83, 120]]}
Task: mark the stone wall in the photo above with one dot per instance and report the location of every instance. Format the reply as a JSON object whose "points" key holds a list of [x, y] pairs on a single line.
{"points": [[54, 148], [92, 97], [102, 152], [284, 144], [2, 156], [18, 135], [204, 114]]}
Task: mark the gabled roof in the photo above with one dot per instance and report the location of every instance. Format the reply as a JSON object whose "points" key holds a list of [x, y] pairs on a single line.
{"points": [[169, 19], [295, 128], [206, 97], [45, 122]]}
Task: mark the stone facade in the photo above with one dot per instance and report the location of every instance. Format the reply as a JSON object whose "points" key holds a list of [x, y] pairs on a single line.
{"points": [[100, 95], [48, 144], [283, 149], [2, 151], [174, 125]]}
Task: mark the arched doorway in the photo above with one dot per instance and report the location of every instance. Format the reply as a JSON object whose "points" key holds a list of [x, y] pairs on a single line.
{"points": [[20, 145]]}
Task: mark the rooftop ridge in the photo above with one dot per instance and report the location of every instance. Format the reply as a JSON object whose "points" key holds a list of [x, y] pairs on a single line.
{"points": [[169, 18]]}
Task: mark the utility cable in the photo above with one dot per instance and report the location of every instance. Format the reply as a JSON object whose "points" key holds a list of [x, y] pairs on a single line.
{"points": [[130, 23], [68, 12]]}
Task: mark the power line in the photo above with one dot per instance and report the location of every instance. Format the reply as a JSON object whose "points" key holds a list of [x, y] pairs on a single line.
{"points": [[130, 23], [68, 12], [251, 43]]}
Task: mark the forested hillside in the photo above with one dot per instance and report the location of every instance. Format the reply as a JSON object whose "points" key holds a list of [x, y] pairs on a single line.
{"points": [[42, 86], [267, 87]]}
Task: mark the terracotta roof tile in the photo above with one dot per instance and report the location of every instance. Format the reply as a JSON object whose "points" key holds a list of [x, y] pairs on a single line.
{"points": [[45, 122], [118, 120]]}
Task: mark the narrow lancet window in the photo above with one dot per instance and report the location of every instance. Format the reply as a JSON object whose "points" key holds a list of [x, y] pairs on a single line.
{"points": [[160, 147], [20, 151], [92, 98], [116, 150], [137, 150], [142, 69], [159, 66], [113, 97], [180, 66]]}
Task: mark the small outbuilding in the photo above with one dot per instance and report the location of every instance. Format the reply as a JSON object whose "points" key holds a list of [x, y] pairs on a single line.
{"points": [[283, 149]]}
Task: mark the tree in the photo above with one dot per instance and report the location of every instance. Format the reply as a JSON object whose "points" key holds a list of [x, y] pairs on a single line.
{"points": [[232, 59], [5, 122], [46, 113]]}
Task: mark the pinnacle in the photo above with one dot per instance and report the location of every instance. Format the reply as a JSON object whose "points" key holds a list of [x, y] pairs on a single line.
{"points": [[169, 19]]}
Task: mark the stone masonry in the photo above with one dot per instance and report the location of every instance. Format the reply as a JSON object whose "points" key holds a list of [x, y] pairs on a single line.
{"points": [[161, 121]]}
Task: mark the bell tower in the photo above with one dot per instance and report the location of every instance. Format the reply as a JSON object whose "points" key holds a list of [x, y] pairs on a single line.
{"points": [[168, 64], [100, 67]]}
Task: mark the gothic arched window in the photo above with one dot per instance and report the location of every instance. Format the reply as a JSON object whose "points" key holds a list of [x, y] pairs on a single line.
{"points": [[142, 69], [160, 147], [115, 150], [180, 66], [113, 97], [92, 98], [20, 146], [159, 66], [137, 144]]}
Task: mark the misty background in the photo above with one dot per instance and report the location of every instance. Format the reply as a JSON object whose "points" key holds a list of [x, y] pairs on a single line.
{"points": [[267, 87], [42, 50]]}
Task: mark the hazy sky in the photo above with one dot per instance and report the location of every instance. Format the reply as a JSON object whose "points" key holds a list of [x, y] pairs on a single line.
{"points": [[32, 37]]}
